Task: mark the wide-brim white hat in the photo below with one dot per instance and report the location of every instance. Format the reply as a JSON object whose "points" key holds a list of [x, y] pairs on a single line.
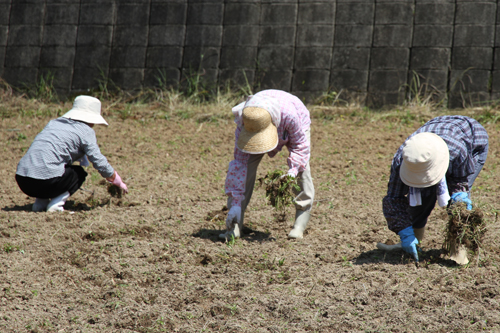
{"points": [[259, 135], [86, 109], [425, 160]]}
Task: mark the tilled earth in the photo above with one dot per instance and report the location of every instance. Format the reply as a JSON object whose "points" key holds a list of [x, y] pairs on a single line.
{"points": [[151, 261]]}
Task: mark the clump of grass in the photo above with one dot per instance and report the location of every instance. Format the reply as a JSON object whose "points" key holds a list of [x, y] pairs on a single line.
{"points": [[42, 90], [465, 227], [115, 191], [488, 116], [8, 247], [279, 191], [6, 90], [420, 94], [330, 98]]}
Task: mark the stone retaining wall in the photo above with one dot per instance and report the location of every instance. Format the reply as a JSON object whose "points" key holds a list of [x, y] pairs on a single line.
{"points": [[374, 51]]}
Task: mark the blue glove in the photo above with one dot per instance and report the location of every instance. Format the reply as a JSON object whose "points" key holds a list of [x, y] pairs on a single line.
{"points": [[409, 242], [461, 197]]}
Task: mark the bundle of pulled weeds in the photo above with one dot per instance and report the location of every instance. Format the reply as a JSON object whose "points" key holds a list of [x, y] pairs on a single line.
{"points": [[465, 228], [115, 191], [279, 190]]}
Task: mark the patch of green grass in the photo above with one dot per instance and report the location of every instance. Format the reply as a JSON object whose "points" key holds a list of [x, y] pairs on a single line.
{"points": [[8, 248], [488, 116], [234, 309], [330, 98], [421, 94], [231, 242], [351, 177], [42, 90], [194, 98], [106, 87]]}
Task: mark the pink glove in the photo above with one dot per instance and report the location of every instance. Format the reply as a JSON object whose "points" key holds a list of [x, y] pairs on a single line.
{"points": [[118, 182]]}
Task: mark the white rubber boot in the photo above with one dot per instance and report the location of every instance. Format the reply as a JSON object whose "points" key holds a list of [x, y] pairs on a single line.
{"points": [[57, 203], [40, 205], [458, 253], [419, 234], [235, 231], [301, 219]]}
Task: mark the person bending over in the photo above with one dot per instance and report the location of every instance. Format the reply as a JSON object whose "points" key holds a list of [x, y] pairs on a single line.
{"points": [[46, 172], [266, 122], [439, 162]]}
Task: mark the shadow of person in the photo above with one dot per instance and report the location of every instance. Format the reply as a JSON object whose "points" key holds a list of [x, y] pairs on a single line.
{"points": [[79, 206], [249, 235], [252, 235], [17, 208], [377, 256], [399, 257], [70, 205]]}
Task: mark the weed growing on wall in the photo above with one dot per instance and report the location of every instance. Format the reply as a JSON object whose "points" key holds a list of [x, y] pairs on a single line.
{"points": [[42, 90]]}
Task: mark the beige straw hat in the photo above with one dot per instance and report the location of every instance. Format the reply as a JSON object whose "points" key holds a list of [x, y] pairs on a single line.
{"points": [[259, 135], [86, 109], [425, 160]]}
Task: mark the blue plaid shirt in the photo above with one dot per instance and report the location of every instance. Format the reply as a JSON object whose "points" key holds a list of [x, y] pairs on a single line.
{"points": [[62, 142], [466, 140]]}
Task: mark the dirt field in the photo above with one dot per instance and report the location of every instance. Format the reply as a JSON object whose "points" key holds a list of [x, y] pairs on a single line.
{"points": [[152, 261]]}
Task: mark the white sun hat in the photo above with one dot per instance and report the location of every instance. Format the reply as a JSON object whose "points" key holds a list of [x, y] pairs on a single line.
{"points": [[425, 160], [86, 109]]}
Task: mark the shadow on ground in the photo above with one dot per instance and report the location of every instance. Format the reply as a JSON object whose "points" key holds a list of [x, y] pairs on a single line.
{"points": [[69, 206], [248, 235], [17, 208], [427, 257]]}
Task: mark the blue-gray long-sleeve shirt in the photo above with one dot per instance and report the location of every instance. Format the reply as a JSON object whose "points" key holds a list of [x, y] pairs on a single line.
{"points": [[466, 140], [60, 143]]}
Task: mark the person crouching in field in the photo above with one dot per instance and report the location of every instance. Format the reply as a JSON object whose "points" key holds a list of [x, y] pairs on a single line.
{"points": [[266, 122], [439, 162], [46, 171]]}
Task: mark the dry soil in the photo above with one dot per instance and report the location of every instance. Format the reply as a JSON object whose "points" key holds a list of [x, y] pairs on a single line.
{"points": [[151, 261]]}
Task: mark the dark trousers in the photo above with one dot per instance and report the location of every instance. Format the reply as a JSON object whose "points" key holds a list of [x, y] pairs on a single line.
{"points": [[419, 214], [71, 181]]}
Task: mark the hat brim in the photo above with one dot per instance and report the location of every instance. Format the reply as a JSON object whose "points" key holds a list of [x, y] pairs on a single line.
{"points": [[85, 116], [428, 177], [258, 142]]}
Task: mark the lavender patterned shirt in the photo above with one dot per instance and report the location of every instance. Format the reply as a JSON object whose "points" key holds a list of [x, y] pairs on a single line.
{"points": [[294, 122], [466, 140]]}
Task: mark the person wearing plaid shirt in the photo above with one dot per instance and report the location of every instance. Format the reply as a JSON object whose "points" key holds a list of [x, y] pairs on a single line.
{"points": [[407, 207], [46, 171], [266, 122]]}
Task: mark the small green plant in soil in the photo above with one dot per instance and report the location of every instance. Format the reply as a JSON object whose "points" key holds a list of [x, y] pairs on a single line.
{"points": [[8, 247], [279, 191], [465, 227]]}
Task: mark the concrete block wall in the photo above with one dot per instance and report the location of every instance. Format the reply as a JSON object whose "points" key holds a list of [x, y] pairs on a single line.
{"points": [[378, 52], [353, 40]]}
